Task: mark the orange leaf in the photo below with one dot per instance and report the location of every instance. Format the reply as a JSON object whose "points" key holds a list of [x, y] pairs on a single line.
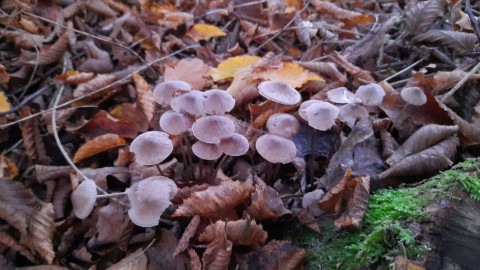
{"points": [[4, 77], [7, 167], [231, 66], [289, 73], [4, 104], [217, 255], [75, 77], [202, 31], [266, 204], [145, 96], [241, 232], [98, 145]]}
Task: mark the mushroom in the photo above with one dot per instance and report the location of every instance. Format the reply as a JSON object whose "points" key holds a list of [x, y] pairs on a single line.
{"points": [[211, 129], [83, 198], [303, 107], [151, 147], [175, 123], [283, 124], [341, 95], [279, 92], [413, 96], [206, 151], [276, 149], [235, 145], [321, 115], [149, 198], [191, 103], [371, 94], [164, 92], [218, 101], [351, 113]]}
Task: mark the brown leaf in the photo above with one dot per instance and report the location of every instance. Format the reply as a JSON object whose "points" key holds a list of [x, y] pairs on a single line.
{"points": [[16, 195], [98, 145], [420, 17], [8, 169], [46, 173], [15, 218], [103, 123], [195, 263], [266, 204], [458, 41], [244, 232], [361, 76], [191, 71], [160, 256], [340, 13], [53, 53], [112, 216], [357, 203], [332, 201], [4, 77], [41, 229], [9, 241], [32, 139], [444, 80], [215, 199], [96, 83], [135, 261], [189, 232], [24, 39], [217, 255], [327, 69], [144, 97]]}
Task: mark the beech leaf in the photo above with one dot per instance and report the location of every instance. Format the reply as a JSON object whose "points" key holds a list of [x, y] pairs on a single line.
{"points": [[241, 232], [98, 145], [202, 31], [420, 17], [458, 41]]}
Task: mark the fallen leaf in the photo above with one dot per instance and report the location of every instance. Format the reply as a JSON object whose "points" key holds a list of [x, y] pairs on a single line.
{"points": [[230, 67], [266, 204], [41, 231], [460, 42], [75, 77], [244, 232], [191, 71], [189, 232], [4, 78], [340, 13], [98, 145], [160, 256], [144, 97], [135, 261], [202, 31], [4, 104], [421, 16], [8, 168], [217, 255], [96, 83], [290, 73]]}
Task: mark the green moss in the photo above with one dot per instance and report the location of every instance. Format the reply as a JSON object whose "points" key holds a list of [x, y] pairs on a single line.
{"points": [[383, 234]]}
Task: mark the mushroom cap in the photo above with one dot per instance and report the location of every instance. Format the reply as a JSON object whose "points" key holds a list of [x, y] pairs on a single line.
{"points": [[413, 96], [83, 198], [191, 103], [283, 124], [149, 198], [302, 111], [211, 129], [151, 147], [371, 94], [321, 115], [175, 123], [351, 113], [279, 92], [218, 101], [235, 145], [276, 149], [341, 95], [164, 92], [206, 151]]}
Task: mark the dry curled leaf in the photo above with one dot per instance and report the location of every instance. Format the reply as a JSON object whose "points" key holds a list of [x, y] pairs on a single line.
{"points": [[4, 78], [8, 168], [215, 199], [230, 67], [361, 76], [10, 242], [195, 263], [144, 97], [325, 7], [16, 219], [187, 234], [202, 31], [96, 83], [75, 77], [458, 41], [290, 73], [32, 139], [266, 204], [420, 17], [191, 71], [135, 261], [241, 232], [98, 145], [444, 80], [217, 255], [53, 53], [41, 230]]}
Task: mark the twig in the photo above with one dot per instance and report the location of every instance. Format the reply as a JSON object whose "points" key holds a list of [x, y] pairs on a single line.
{"points": [[473, 20], [405, 69], [227, 8], [460, 83], [26, 100]]}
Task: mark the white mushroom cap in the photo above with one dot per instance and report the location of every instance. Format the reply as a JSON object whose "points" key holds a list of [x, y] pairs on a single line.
{"points": [[371, 94], [276, 149], [191, 103], [279, 92], [218, 101], [151, 147], [302, 111], [341, 95], [206, 151], [211, 129], [283, 124], [321, 115], [175, 123], [235, 145], [413, 96], [83, 198], [149, 198], [164, 92], [351, 113]]}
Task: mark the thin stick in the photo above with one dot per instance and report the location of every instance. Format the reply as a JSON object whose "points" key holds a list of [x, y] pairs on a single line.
{"points": [[406, 69], [26, 100], [109, 195], [460, 83], [473, 20]]}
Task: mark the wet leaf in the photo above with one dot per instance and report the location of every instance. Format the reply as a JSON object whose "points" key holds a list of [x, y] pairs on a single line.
{"points": [[98, 145], [202, 31]]}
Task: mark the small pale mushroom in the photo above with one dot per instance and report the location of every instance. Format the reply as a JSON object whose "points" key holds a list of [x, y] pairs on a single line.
{"points": [[321, 115], [371, 94], [206, 151], [276, 149], [175, 123], [283, 124], [279, 92], [83, 198], [302, 111], [218, 101], [164, 92], [149, 198], [413, 96], [235, 145], [151, 147], [352, 113], [211, 129], [341, 95], [191, 103]]}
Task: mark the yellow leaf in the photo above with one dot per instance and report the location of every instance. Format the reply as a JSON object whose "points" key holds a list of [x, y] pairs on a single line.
{"points": [[296, 4], [4, 104], [231, 66], [98, 145], [7, 167], [289, 73], [202, 31], [28, 25]]}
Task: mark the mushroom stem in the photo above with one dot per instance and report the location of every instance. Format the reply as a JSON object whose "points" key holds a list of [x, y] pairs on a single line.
{"points": [[276, 169], [220, 164], [109, 195], [312, 156], [159, 169], [189, 160]]}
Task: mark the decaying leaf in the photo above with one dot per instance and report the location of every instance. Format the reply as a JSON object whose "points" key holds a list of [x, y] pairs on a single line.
{"points": [[340, 13], [241, 232], [15, 218], [187, 234], [41, 230], [160, 256], [10, 242], [96, 83], [191, 71], [421, 16], [458, 41], [4, 78], [217, 255], [98, 145], [444, 80], [52, 54], [266, 204], [8, 168], [195, 263], [32, 139], [359, 74], [75, 77], [145, 97], [202, 31], [135, 261]]}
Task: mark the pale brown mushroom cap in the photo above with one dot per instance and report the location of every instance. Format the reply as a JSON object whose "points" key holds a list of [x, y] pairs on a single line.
{"points": [[279, 92], [371, 94], [151, 147], [211, 129], [149, 198], [413, 96], [175, 123], [283, 124], [341, 95], [206, 151], [83, 198], [218, 101], [191, 103], [235, 145], [164, 92], [351, 113], [276, 149], [321, 115]]}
